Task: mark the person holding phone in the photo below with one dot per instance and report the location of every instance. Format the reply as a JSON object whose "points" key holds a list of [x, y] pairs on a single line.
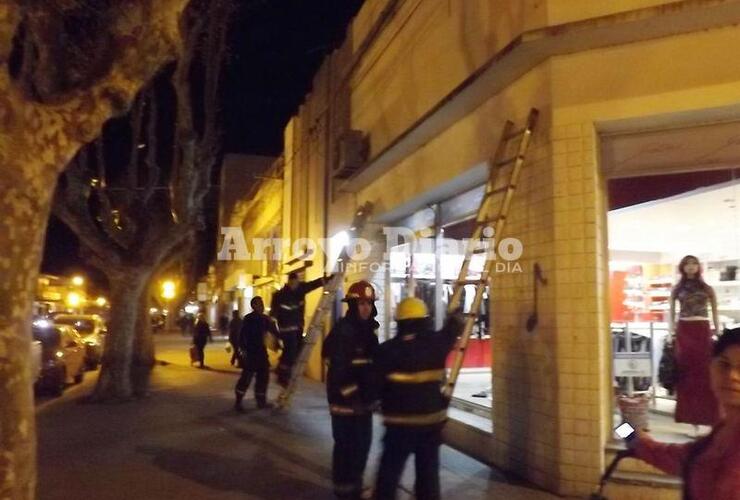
{"points": [[710, 466]]}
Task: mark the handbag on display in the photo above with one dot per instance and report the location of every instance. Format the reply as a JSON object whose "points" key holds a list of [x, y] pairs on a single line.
{"points": [[668, 368]]}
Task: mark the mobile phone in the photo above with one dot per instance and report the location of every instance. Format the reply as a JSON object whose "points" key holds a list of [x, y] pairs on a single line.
{"points": [[625, 431]]}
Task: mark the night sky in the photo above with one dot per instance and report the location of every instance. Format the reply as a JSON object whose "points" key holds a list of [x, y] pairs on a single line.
{"points": [[275, 48]]}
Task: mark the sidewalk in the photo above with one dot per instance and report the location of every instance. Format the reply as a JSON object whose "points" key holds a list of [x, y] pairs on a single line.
{"points": [[186, 442]]}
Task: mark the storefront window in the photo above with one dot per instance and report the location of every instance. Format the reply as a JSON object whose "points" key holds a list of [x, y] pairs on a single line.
{"points": [[647, 239], [413, 271]]}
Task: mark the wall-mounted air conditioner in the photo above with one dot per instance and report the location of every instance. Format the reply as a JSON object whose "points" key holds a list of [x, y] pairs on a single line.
{"points": [[352, 151]]}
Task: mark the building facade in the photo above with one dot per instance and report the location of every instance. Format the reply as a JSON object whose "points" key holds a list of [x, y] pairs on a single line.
{"points": [[251, 204], [407, 113]]}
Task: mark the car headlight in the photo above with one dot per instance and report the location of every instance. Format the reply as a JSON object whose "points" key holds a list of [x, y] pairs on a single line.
{"points": [[59, 354]]}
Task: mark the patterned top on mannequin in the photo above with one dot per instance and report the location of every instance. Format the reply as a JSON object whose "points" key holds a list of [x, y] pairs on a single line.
{"points": [[694, 296]]}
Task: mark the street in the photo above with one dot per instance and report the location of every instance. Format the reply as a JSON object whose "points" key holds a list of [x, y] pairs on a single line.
{"points": [[185, 441]]}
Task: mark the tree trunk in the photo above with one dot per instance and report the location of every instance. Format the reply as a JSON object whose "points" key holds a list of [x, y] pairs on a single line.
{"points": [[114, 382], [24, 205], [142, 361]]}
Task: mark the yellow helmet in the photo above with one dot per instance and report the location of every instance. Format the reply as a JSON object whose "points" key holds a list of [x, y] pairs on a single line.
{"points": [[411, 308]]}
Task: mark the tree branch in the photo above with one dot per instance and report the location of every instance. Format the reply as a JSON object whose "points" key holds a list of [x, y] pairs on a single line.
{"points": [[10, 18], [136, 123], [143, 38], [113, 221], [71, 206], [152, 163]]}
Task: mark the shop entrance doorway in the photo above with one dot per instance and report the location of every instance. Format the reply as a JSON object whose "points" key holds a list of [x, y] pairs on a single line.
{"points": [[653, 222]]}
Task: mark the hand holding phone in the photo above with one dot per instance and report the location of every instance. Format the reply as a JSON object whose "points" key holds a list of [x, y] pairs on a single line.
{"points": [[626, 431]]}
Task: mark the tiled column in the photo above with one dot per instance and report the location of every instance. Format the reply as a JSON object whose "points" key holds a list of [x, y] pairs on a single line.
{"points": [[551, 385], [581, 303]]}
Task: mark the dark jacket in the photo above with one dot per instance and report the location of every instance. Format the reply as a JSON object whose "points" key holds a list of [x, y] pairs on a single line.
{"points": [[349, 349], [235, 326], [288, 306], [202, 333], [252, 338], [409, 371]]}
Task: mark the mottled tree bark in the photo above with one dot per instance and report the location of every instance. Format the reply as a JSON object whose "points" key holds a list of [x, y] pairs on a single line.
{"points": [[142, 357], [51, 105], [24, 209], [114, 381]]}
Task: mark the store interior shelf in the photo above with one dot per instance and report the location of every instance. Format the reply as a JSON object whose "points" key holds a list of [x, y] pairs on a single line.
{"points": [[723, 283]]}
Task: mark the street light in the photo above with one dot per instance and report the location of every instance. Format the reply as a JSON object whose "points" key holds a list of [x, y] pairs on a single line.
{"points": [[100, 301], [78, 280], [168, 293], [168, 290], [74, 299]]}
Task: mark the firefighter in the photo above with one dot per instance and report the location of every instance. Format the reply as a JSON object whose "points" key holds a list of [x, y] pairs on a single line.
{"points": [[409, 372], [253, 354], [348, 350], [288, 307]]}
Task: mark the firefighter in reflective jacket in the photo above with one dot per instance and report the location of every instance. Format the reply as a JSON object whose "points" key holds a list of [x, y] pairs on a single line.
{"points": [[288, 307], [348, 350], [409, 372]]}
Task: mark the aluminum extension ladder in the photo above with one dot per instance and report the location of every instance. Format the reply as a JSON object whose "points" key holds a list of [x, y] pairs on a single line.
{"points": [[494, 209], [325, 306]]}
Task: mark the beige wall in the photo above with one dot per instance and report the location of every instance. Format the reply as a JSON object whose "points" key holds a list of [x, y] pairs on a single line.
{"points": [[564, 11], [426, 51], [257, 210]]}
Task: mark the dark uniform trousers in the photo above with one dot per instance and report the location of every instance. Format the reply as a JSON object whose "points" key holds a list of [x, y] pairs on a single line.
{"points": [[249, 370], [292, 340], [353, 435], [398, 443]]}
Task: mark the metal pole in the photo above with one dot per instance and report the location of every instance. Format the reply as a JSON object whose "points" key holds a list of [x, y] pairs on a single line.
{"points": [[628, 347], [439, 311], [653, 373]]}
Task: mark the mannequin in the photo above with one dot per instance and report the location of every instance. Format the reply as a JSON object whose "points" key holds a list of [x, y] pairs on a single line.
{"points": [[696, 403]]}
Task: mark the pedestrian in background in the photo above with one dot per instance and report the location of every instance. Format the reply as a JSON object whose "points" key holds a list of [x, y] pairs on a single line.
{"points": [[201, 336], [235, 326], [253, 354], [223, 325], [710, 466], [348, 350]]}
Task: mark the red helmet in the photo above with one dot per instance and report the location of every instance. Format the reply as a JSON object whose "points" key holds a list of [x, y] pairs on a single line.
{"points": [[360, 290]]}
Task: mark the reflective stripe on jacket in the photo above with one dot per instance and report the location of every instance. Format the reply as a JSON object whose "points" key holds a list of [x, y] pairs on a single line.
{"points": [[409, 372]]}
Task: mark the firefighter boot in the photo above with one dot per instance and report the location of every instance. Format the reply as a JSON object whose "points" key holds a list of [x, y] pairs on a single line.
{"points": [[238, 404]]}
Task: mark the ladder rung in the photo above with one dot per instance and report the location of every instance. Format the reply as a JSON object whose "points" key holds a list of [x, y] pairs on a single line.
{"points": [[509, 161], [471, 282], [516, 133], [500, 190], [489, 221]]}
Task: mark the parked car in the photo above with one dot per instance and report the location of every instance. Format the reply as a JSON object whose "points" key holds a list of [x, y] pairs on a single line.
{"points": [[63, 357], [93, 330], [37, 354]]}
